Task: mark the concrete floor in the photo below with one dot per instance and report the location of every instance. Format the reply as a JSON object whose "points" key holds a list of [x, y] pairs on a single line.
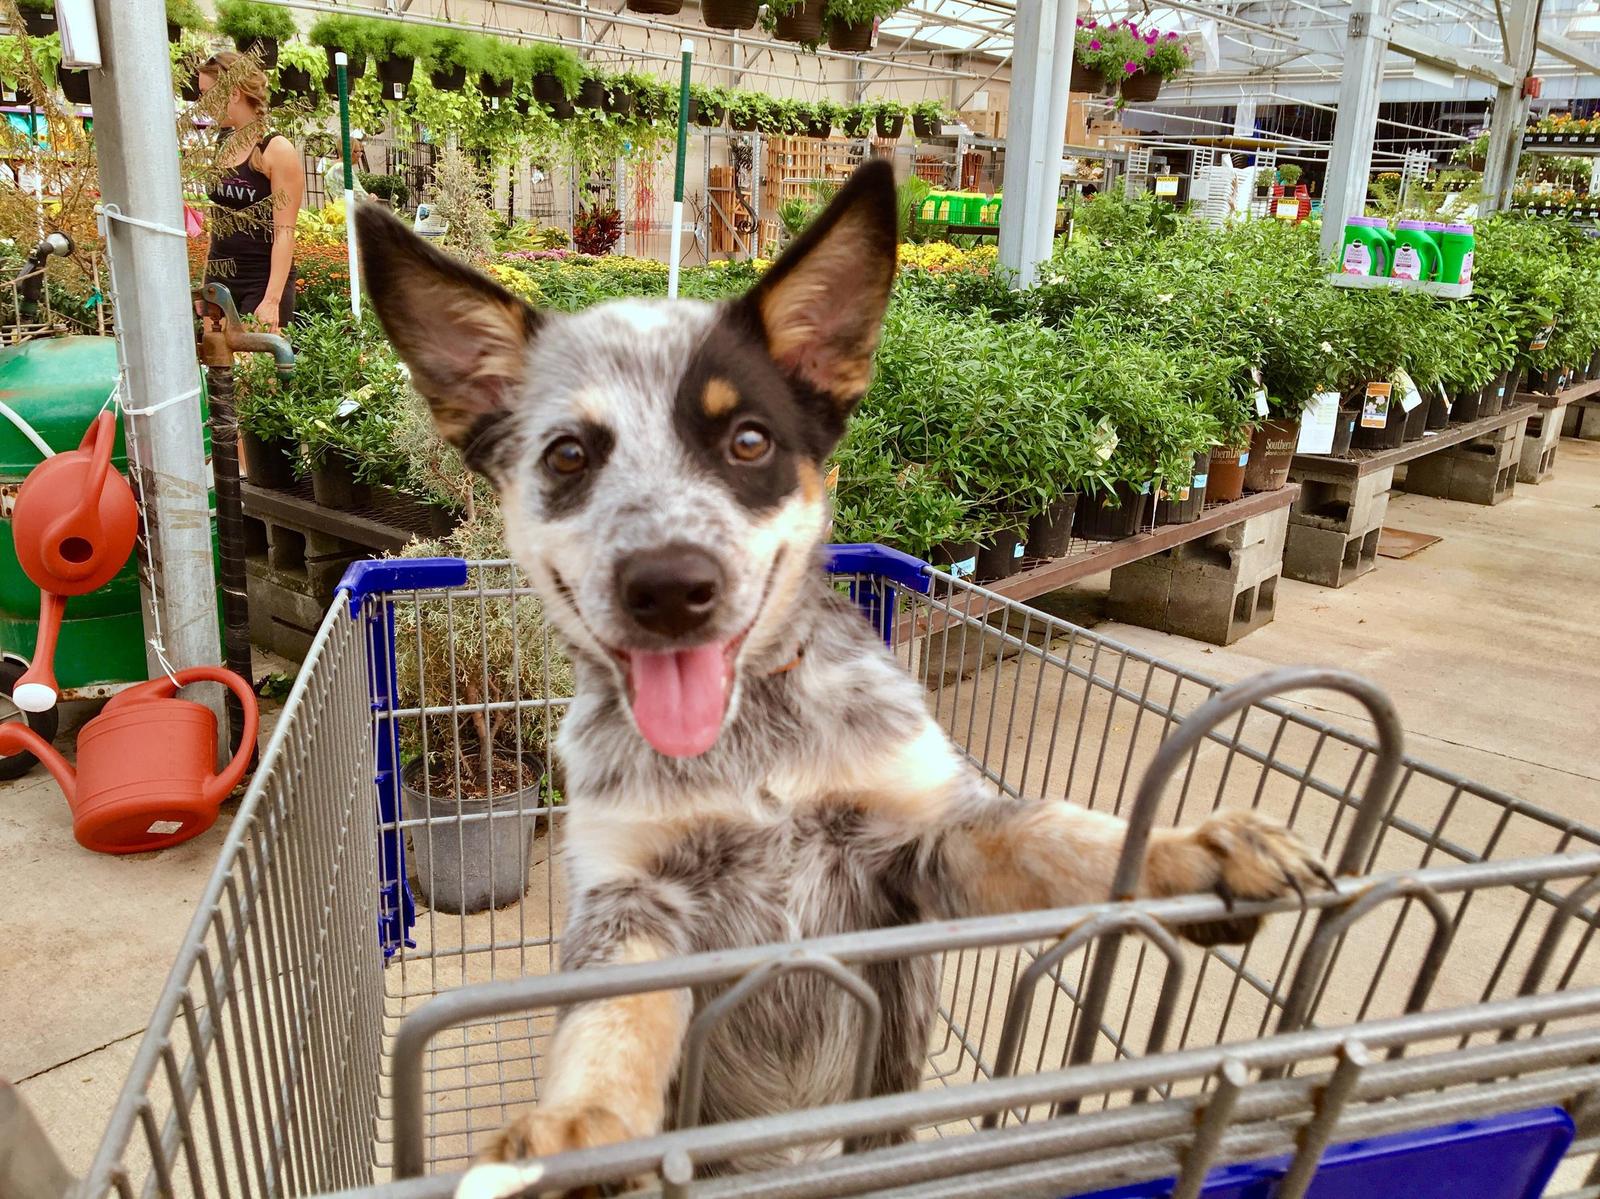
{"points": [[1485, 641]]}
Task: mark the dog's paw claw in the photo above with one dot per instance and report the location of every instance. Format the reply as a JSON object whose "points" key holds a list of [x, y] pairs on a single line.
{"points": [[1250, 857], [505, 1166]]}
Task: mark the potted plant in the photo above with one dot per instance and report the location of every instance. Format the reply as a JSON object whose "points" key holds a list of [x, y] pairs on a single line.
{"points": [[890, 118], [557, 73], [851, 23], [1154, 58], [856, 120], [449, 56], [477, 773], [730, 14], [620, 94], [747, 111], [500, 65], [184, 15], [709, 105], [928, 117], [352, 35], [38, 17], [797, 20], [256, 28], [591, 92], [656, 8], [819, 116], [1090, 56], [300, 69], [1289, 174], [596, 228], [395, 47]]}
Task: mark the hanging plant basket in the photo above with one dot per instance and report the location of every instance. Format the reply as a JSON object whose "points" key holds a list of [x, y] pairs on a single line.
{"points": [[263, 49], [889, 126], [39, 22], [857, 125], [174, 32], [591, 94], [1085, 80], [819, 128], [395, 75], [190, 92], [448, 79], [711, 116], [656, 8], [295, 81], [74, 84], [495, 89], [562, 109], [620, 101], [927, 126], [524, 104], [802, 23], [355, 68], [848, 38], [547, 89], [1141, 88], [748, 123], [729, 14]]}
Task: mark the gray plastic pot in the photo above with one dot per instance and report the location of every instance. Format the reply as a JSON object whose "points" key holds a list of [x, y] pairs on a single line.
{"points": [[473, 854]]}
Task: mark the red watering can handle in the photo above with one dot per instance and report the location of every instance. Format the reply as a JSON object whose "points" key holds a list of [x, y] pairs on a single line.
{"points": [[80, 528], [218, 785]]}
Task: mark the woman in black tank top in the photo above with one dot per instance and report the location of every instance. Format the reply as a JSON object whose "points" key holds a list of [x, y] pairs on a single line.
{"points": [[252, 252]]}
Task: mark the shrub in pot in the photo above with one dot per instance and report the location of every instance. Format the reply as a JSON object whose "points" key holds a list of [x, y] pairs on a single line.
{"points": [[352, 35], [256, 28], [184, 16]]}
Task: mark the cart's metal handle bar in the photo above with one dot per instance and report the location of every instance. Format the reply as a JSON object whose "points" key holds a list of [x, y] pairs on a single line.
{"points": [[1562, 1056], [1546, 950], [1020, 1005], [1186, 740], [542, 992], [692, 1083]]}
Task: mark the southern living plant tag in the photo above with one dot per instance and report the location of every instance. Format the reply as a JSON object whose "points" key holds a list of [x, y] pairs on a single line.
{"points": [[1542, 337], [1375, 408], [1261, 401], [1410, 397]]}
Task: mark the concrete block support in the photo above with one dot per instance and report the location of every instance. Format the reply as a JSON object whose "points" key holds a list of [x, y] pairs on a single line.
{"points": [[1539, 443], [1216, 589], [1480, 471], [1581, 419], [1334, 527]]}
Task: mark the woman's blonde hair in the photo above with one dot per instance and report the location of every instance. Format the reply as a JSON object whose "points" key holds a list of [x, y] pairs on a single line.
{"points": [[247, 78]]}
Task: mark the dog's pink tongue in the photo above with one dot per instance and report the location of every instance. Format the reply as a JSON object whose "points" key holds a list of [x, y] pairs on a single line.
{"points": [[679, 699]]}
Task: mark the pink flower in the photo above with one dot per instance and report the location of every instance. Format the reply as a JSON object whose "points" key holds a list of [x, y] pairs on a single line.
{"points": [[1172, 37], [1131, 67], [1186, 51], [1132, 28], [1150, 37], [1094, 44], [1080, 22], [1094, 24], [1150, 52]]}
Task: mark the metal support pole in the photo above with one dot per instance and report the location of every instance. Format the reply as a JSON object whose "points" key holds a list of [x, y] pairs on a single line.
{"points": [[138, 160], [1350, 158], [677, 170], [1033, 150], [1511, 107], [342, 61], [1060, 83]]}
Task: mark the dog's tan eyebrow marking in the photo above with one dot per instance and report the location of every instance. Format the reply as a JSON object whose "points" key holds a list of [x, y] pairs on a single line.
{"points": [[810, 481], [719, 398]]}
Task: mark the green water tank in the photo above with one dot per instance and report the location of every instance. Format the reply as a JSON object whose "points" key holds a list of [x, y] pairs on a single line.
{"points": [[58, 385]]}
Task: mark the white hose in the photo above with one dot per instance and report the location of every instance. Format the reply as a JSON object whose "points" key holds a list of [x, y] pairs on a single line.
{"points": [[27, 430]]}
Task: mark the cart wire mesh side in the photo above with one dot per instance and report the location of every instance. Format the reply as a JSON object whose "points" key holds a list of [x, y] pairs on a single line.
{"points": [[331, 1023]]}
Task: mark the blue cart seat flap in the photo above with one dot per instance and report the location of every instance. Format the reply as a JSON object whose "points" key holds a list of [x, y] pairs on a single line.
{"points": [[879, 561], [1502, 1157], [374, 576]]}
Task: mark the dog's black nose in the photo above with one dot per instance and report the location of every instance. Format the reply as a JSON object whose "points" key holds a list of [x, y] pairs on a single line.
{"points": [[672, 590]]}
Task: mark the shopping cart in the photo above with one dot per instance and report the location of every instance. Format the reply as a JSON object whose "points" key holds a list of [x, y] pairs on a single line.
{"points": [[1431, 1028]]}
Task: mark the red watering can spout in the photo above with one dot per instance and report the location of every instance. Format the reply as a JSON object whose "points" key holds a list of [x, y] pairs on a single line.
{"points": [[145, 779], [74, 524]]}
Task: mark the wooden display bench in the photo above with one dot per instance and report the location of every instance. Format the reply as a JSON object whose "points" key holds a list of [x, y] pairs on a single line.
{"points": [[1214, 579], [1336, 521], [1545, 427]]}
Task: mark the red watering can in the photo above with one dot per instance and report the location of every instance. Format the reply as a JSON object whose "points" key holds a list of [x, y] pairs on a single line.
{"points": [[74, 524], [145, 777]]}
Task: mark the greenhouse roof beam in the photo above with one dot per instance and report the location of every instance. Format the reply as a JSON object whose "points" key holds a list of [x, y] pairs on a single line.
{"points": [[1415, 44], [1569, 51]]}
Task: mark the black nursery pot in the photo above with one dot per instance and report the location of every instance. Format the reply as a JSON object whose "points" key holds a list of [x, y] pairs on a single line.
{"points": [[547, 89], [333, 484], [1392, 434], [395, 75], [856, 126], [562, 109], [1111, 517], [294, 81], [819, 129], [1344, 429], [997, 557], [267, 463], [954, 553], [355, 68], [730, 14], [1469, 404], [708, 116], [449, 79], [1050, 533], [264, 50], [1175, 511], [926, 127], [1438, 411], [495, 89], [74, 85], [1416, 422], [1510, 386], [591, 94], [746, 124], [891, 126], [619, 101], [39, 22]]}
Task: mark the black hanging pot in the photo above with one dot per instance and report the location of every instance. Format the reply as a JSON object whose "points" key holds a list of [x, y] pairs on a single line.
{"points": [[656, 8], [591, 94], [748, 123], [891, 126], [819, 128], [709, 116], [174, 32], [927, 126], [562, 109], [495, 89], [620, 101], [547, 88], [1141, 87], [448, 79], [524, 105], [850, 38], [355, 68], [729, 14], [294, 81], [39, 22], [857, 125], [74, 84], [395, 75], [802, 23], [263, 49]]}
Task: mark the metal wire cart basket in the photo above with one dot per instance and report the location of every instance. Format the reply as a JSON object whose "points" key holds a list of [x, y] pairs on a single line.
{"points": [[1430, 1028]]}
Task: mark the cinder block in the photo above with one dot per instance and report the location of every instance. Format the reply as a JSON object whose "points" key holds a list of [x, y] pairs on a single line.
{"points": [[1328, 557], [1539, 443], [284, 616], [1352, 506], [1581, 419], [286, 549], [1481, 471]]}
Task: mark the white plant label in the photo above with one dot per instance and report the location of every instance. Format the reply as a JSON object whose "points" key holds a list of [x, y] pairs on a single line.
{"points": [[1318, 423], [1410, 397], [1105, 440], [1261, 401]]}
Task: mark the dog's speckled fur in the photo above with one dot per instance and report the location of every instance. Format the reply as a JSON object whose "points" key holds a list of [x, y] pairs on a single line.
{"points": [[831, 801]]}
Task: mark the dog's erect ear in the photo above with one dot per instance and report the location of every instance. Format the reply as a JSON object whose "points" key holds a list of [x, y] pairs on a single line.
{"points": [[464, 337], [820, 307]]}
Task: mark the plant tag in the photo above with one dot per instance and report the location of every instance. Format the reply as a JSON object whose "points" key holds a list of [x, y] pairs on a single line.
{"points": [[1199, 481], [963, 569], [1261, 401], [1166, 185], [832, 481], [1244, 459], [1183, 494], [1542, 337], [1105, 440], [1445, 396], [1410, 397], [1375, 408], [347, 406], [1017, 553], [1287, 209], [1318, 423]]}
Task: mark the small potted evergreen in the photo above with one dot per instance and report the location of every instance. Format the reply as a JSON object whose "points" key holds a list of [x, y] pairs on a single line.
{"points": [[557, 73], [256, 28]]}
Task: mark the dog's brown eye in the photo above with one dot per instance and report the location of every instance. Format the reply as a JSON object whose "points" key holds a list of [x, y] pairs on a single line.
{"points": [[566, 456], [750, 443]]}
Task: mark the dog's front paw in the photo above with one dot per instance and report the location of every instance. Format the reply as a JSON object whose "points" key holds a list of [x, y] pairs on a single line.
{"points": [[1239, 855], [537, 1133]]}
